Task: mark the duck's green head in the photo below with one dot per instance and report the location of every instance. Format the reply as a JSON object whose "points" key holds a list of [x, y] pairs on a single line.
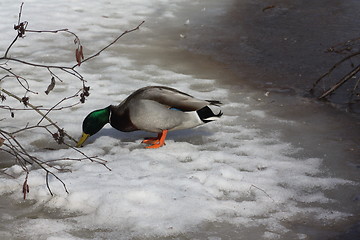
{"points": [[93, 123]]}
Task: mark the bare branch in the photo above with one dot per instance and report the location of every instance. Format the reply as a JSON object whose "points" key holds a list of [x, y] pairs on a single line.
{"points": [[20, 12], [333, 68], [19, 27], [44, 116], [26, 86], [113, 42], [37, 110], [10, 142], [341, 82]]}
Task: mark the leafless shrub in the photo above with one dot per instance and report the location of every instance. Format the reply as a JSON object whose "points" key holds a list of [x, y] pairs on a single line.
{"points": [[9, 142]]}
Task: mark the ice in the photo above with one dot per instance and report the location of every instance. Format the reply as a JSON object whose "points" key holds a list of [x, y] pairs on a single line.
{"points": [[229, 171]]}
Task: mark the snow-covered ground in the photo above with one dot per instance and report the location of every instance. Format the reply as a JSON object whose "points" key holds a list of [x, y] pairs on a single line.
{"points": [[228, 174]]}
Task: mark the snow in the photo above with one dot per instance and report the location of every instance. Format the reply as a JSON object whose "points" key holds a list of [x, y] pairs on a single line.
{"points": [[229, 171]]}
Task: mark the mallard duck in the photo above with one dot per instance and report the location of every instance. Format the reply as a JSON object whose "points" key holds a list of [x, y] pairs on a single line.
{"points": [[155, 109]]}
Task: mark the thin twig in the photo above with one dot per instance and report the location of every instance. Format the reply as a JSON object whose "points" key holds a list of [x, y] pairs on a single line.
{"points": [[333, 68], [3, 172], [57, 104], [35, 64], [353, 92], [33, 159], [345, 46], [113, 42], [18, 78], [18, 35], [341, 82], [38, 111], [30, 127], [17, 149], [92, 159], [262, 191]]}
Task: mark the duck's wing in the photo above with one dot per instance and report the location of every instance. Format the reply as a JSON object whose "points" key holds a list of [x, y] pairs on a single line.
{"points": [[171, 98]]}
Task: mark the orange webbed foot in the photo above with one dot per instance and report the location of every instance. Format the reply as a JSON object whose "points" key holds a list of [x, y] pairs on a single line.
{"points": [[151, 140], [156, 145], [157, 142]]}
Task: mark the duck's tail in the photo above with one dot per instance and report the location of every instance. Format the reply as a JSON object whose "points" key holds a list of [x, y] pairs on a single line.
{"points": [[211, 112]]}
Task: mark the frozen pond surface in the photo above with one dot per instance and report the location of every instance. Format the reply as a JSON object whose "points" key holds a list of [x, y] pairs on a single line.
{"points": [[277, 166]]}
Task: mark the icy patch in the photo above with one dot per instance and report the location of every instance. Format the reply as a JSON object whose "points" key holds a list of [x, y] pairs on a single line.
{"points": [[234, 174]]}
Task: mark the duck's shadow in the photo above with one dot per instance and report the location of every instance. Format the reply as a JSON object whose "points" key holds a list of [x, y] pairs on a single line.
{"points": [[194, 136]]}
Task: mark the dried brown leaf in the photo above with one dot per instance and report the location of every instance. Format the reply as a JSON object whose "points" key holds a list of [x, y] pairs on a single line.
{"points": [[78, 56], [25, 189], [25, 101], [268, 7], [81, 52], [51, 86]]}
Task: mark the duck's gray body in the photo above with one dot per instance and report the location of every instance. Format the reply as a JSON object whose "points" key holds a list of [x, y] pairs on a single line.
{"points": [[158, 108]]}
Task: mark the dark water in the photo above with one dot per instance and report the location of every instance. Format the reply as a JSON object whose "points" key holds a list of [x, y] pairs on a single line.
{"points": [[279, 47], [283, 43]]}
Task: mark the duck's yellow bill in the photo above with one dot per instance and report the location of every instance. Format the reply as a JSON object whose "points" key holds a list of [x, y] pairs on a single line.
{"points": [[82, 139]]}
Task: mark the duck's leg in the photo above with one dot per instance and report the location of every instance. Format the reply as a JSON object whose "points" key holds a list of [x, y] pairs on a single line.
{"points": [[157, 142], [152, 140]]}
